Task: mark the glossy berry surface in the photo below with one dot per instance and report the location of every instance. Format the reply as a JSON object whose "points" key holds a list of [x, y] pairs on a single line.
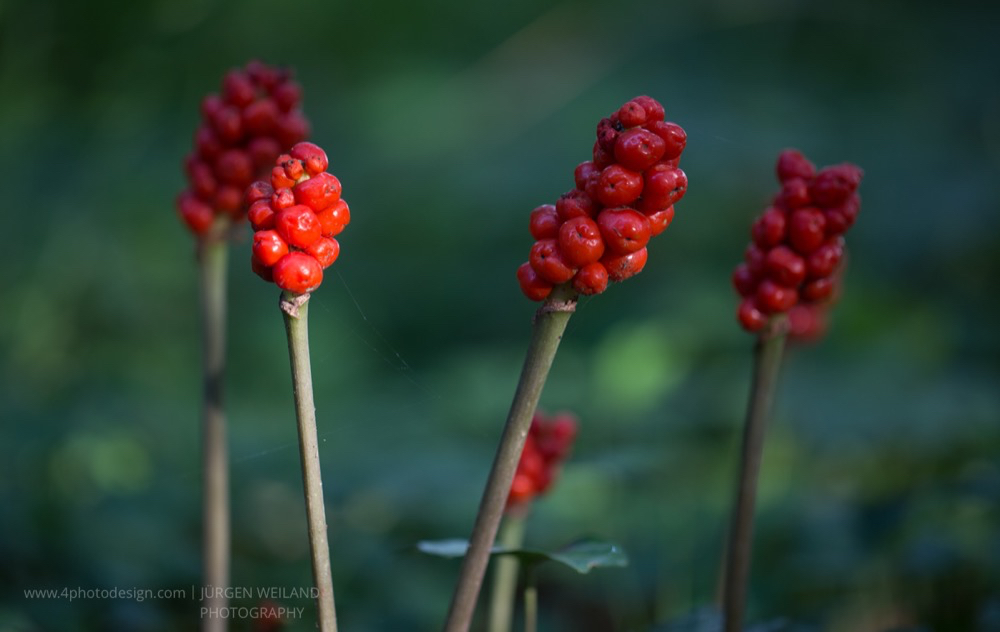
{"points": [[598, 231], [793, 262], [243, 130], [292, 241]]}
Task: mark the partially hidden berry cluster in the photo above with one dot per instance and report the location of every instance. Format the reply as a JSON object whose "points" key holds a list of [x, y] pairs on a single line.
{"points": [[547, 446], [295, 217], [598, 231], [798, 245], [243, 130]]}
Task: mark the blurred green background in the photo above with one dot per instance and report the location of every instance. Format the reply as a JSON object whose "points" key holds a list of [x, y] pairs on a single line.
{"points": [[447, 123]]}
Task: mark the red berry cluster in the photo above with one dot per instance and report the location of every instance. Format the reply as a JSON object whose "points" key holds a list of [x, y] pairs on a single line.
{"points": [[598, 231], [547, 446], [243, 131], [798, 242], [295, 218]]}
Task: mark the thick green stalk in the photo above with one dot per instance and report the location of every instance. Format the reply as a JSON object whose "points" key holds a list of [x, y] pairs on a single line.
{"points": [[530, 601], [296, 312], [212, 263], [550, 323], [767, 362], [505, 576]]}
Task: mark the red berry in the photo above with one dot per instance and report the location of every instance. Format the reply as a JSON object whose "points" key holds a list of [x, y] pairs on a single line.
{"points": [[574, 203], [203, 181], [287, 95], [840, 218], [638, 149], [261, 215], [591, 279], [664, 186], [754, 257], [792, 164], [825, 259], [751, 317], [207, 143], [325, 250], [618, 186], [259, 190], [654, 110], [673, 135], [228, 124], [785, 267], [282, 198], [806, 322], [292, 128], [549, 263], [769, 229], [621, 267], [261, 117], [660, 220], [772, 297], [580, 241], [318, 192], [195, 213], [229, 199], [279, 180], [235, 167], [297, 272], [292, 167], [261, 270], [298, 225], [632, 114], [263, 151], [607, 134], [794, 194], [833, 185], [806, 229], [522, 490], [818, 289], [237, 89], [333, 220], [583, 172], [312, 156], [545, 222], [211, 104], [624, 230], [534, 287], [268, 247], [744, 280], [602, 157]]}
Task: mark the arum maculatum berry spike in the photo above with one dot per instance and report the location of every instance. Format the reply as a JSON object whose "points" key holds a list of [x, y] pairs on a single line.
{"points": [[244, 129], [793, 262], [295, 217], [598, 231], [547, 446]]}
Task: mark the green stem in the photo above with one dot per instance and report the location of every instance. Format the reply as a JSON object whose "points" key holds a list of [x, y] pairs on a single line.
{"points": [[550, 323], [296, 312], [530, 600], [504, 589], [767, 362], [212, 259]]}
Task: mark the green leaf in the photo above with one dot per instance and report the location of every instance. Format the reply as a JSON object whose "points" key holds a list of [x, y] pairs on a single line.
{"points": [[581, 556]]}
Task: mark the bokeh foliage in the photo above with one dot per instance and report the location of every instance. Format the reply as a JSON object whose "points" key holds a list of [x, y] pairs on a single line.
{"points": [[447, 122]]}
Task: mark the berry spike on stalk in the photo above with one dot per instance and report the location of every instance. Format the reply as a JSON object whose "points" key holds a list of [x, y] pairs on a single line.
{"points": [[789, 276], [598, 231], [295, 217], [255, 118], [595, 233]]}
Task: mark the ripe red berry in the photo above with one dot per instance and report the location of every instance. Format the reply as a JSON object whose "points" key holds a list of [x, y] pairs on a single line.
{"points": [[624, 230], [654, 110], [618, 186], [263, 151], [545, 222], [549, 263], [298, 225], [632, 114], [333, 220], [207, 143], [297, 272], [574, 203], [591, 279], [279, 180], [792, 164], [325, 250], [228, 124], [744, 280], [580, 241], [261, 215], [203, 181], [772, 297], [319, 192], [806, 229], [794, 194], [673, 135], [750, 316], [638, 149], [784, 266], [664, 186], [608, 130], [195, 213], [818, 289], [754, 257], [840, 218], [228, 199], [825, 259], [621, 267], [833, 185], [769, 229], [602, 157], [235, 167], [292, 127], [261, 270], [237, 88], [287, 95], [259, 190], [806, 322], [282, 198], [660, 220], [583, 172], [261, 117], [533, 286], [312, 156], [268, 247]]}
